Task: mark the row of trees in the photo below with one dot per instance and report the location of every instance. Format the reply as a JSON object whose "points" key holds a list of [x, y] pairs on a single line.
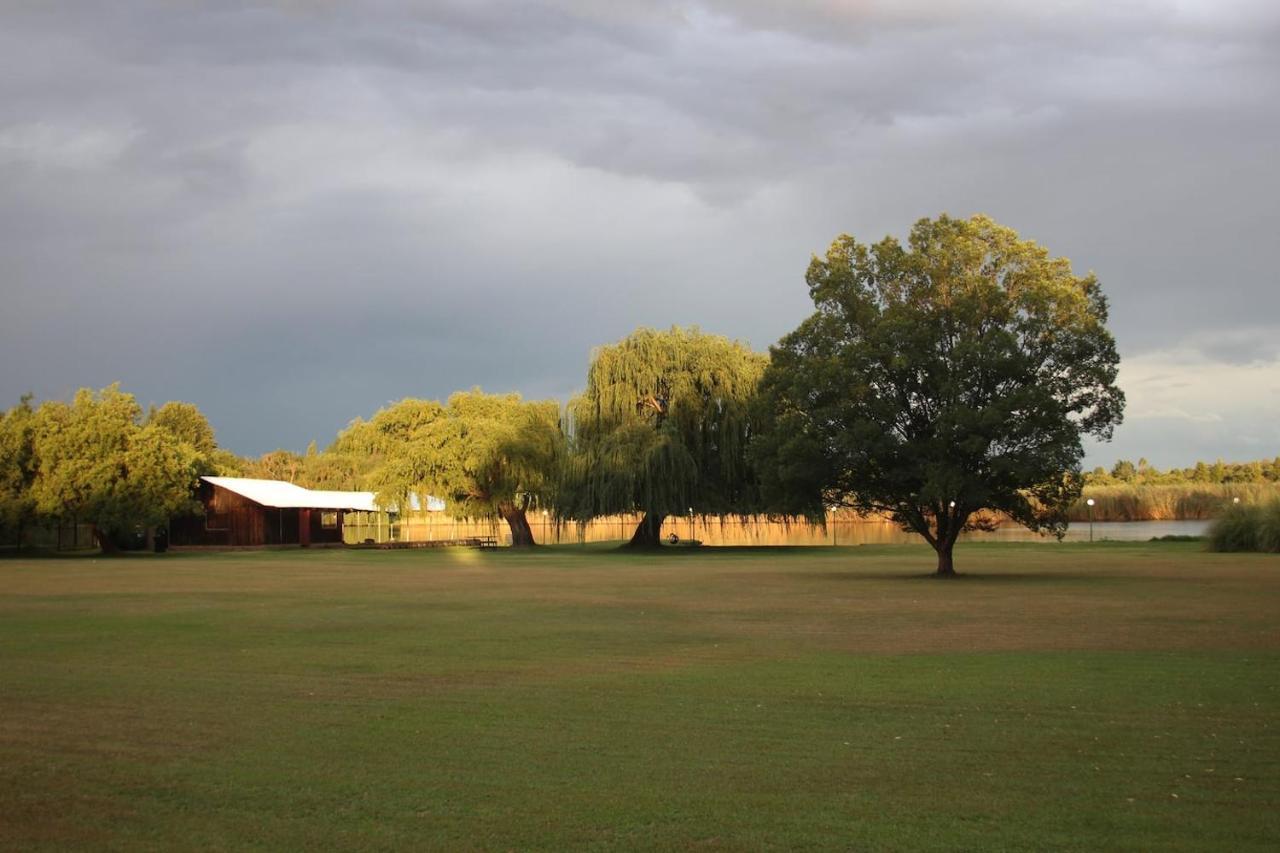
{"points": [[662, 429], [1124, 472], [102, 460], [954, 374]]}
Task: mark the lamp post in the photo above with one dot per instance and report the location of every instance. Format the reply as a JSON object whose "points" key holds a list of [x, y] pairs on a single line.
{"points": [[691, 524], [1089, 503], [544, 527]]}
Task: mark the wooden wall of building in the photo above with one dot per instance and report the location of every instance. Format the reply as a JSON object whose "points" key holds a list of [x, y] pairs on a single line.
{"points": [[232, 519]]}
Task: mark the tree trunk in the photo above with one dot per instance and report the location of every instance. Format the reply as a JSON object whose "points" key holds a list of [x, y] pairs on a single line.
{"points": [[648, 532], [105, 542], [946, 566], [521, 532]]}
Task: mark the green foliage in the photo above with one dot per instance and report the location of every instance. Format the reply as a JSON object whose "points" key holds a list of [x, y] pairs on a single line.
{"points": [[1269, 528], [277, 465], [1247, 527], [17, 471], [96, 462], [663, 426], [159, 476], [485, 455], [1217, 473], [366, 447], [186, 423], [953, 375], [1235, 530], [328, 470], [1124, 471]]}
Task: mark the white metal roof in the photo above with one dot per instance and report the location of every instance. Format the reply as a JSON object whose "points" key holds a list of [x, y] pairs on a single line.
{"points": [[363, 501], [277, 493]]}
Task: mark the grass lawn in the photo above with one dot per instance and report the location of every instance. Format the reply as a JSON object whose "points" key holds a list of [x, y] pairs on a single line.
{"points": [[1109, 696]]}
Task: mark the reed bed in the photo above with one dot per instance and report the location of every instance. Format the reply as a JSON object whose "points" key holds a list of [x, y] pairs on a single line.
{"points": [[1185, 502], [1181, 502], [730, 530]]}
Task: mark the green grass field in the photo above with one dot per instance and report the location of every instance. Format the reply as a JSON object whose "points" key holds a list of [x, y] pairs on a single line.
{"points": [[1058, 697]]}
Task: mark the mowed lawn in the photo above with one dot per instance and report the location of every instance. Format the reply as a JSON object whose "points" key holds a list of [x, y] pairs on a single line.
{"points": [[1058, 697]]}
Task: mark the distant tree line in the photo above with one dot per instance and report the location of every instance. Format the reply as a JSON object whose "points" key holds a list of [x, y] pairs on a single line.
{"points": [[1125, 472], [938, 381]]}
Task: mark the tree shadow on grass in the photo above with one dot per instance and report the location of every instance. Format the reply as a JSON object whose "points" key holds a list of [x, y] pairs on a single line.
{"points": [[962, 578]]}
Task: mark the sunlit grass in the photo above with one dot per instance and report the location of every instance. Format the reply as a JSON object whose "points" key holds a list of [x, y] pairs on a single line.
{"points": [[1057, 697]]}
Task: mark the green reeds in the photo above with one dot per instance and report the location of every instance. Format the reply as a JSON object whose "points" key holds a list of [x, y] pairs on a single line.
{"points": [[1247, 527]]}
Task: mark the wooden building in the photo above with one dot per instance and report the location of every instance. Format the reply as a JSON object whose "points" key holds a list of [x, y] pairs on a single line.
{"points": [[243, 511]]}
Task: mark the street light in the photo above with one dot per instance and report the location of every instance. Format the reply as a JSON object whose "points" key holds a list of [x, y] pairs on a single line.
{"points": [[690, 524], [1089, 503]]}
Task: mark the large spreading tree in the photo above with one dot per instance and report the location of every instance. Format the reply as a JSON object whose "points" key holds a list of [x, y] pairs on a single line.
{"points": [[484, 455], [662, 428], [939, 379]]}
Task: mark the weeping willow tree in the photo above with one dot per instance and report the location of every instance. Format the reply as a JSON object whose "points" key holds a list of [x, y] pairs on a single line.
{"points": [[485, 455], [662, 429]]}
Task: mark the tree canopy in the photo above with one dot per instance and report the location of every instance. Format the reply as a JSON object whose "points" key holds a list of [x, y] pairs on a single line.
{"points": [[935, 380], [96, 462], [187, 424], [17, 470], [485, 455], [662, 428]]}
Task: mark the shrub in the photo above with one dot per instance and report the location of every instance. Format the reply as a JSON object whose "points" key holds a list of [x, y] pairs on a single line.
{"points": [[1269, 528], [1247, 528]]}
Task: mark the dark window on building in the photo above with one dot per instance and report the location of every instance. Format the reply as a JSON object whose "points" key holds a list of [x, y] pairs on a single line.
{"points": [[215, 521]]}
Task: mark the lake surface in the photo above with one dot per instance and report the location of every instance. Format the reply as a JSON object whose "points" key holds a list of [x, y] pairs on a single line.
{"points": [[1116, 531]]}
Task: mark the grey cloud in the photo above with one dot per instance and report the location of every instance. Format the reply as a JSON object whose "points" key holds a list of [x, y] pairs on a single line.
{"points": [[1248, 347], [474, 193]]}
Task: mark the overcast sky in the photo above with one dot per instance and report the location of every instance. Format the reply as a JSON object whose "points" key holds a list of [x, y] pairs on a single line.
{"points": [[291, 214]]}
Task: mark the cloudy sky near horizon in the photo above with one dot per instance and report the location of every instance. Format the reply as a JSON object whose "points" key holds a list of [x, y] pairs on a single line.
{"points": [[292, 213]]}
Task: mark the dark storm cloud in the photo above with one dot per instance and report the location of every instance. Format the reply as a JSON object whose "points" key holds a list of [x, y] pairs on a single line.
{"points": [[292, 213]]}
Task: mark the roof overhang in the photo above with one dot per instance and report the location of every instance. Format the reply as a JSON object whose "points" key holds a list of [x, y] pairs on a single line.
{"points": [[281, 495]]}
